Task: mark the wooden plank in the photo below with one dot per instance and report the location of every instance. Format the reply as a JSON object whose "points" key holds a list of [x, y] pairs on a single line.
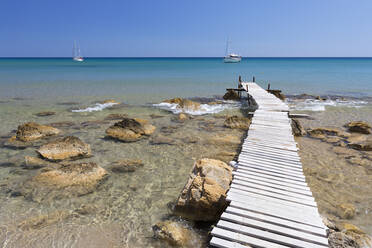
{"points": [[276, 229], [273, 146], [237, 237], [273, 183], [279, 221], [247, 170], [270, 150], [223, 243], [239, 227], [269, 208], [305, 200], [263, 158], [268, 177], [249, 162], [239, 195], [252, 187], [293, 157], [272, 156], [243, 166]]}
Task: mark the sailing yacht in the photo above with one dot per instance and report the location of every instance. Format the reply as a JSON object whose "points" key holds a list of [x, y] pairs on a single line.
{"points": [[231, 57], [76, 56]]}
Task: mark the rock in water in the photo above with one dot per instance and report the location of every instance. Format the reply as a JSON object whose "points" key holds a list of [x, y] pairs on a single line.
{"points": [[182, 117], [297, 128], [204, 196], [129, 130], [346, 210], [44, 220], [231, 95], [68, 147], [46, 113], [36, 163], [73, 179], [31, 131], [237, 122], [363, 145], [173, 233], [184, 104], [277, 93], [359, 127], [126, 165], [322, 132]]}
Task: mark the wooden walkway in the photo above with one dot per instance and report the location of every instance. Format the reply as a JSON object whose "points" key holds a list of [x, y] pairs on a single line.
{"points": [[270, 202]]}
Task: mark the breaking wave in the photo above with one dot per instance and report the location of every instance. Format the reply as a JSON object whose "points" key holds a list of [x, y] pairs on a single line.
{"points": [[319, 105], [96, 107], [204, 108]]}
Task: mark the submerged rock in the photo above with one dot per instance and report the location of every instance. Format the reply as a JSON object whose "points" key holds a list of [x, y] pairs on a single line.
{"points": [[359, 127], [69, 179], [46, 113], [182, 117], [346, 210], [162, 140], [126, 165], [44, 220], [173, 233], [31, 131], [203, 198], [363, 145], [130, 130], [231, 95], [297, 128], [323, 132], [223, 139], [237, 122], [36, 163], [112, 117], [69, 147]]}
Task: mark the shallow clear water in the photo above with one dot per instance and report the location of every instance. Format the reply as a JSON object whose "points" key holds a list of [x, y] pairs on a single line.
{"points": [[126, 205]]}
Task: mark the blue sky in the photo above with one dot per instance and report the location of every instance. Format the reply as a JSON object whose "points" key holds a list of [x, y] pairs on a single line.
{"points": [[124, 28]]}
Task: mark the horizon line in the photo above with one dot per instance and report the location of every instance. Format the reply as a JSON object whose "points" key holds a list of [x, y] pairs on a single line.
{"points": [[133, 57]]}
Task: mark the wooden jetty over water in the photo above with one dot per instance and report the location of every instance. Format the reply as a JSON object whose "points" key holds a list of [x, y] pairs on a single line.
{"points": [[270, 202]]}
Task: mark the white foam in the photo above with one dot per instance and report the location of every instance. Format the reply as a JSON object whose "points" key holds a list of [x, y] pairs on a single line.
{"points": [[204, 108], [96, 107], [319, 105]]}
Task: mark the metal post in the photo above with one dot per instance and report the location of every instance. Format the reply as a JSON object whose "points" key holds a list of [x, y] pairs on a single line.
{"points": [[254, 79], [268, 87]]}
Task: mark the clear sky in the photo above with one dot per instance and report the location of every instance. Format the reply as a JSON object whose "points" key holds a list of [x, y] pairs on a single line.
{"points": [[151, 28]]}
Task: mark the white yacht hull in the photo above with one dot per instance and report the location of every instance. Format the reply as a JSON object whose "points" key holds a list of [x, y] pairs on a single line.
{"points": [[231, 60], [78, 59]]}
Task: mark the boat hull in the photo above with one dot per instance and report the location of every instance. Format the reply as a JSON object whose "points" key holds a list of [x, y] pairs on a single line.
{"points": [[78, 59], [232, 60]]}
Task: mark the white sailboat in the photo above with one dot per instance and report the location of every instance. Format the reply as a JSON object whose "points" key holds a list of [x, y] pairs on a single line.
{"points": [[76, 56], [231, 57]]}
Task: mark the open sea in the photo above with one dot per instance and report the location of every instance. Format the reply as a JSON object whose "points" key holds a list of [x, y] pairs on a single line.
{"points": [[121, 210], [142, 80]]}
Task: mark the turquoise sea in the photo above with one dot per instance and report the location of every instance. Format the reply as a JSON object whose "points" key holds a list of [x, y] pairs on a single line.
{"points": [[85, 99], [143, 80]]}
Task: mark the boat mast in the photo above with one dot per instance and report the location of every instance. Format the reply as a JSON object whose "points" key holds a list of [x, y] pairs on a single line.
{"points": [[227, 47]]}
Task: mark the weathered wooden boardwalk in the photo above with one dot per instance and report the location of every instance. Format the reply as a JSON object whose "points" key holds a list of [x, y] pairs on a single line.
{"points": [[270, 202]]}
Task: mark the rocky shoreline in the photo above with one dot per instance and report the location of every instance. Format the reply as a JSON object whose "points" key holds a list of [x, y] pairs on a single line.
{"points": [[66, 166]]}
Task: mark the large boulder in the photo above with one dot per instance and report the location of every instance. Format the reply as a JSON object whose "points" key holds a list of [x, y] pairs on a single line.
{"points": [[359, 127], [31, 131], [130, 130], [237, 122], [297, 128], [69, 147], [204, 196]]}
